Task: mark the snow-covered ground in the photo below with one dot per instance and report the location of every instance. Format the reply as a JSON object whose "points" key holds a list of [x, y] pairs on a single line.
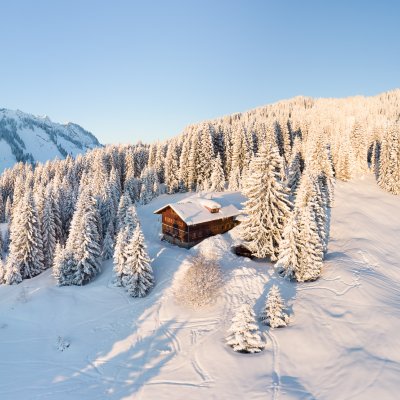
{"points": [[343, 341]]}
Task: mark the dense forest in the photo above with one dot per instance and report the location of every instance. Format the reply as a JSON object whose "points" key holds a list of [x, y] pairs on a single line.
{"points": [[69, 214]]}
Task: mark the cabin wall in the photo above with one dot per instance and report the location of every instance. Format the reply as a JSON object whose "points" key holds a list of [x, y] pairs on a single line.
{"points": [[201, 231], [172, 225], [176, 231]]}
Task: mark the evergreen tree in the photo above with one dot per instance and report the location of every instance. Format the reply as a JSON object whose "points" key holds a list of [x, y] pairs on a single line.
{"points": [[289, 262], [108, 244], [7, 210], [217, 176], [49, 233], [172, 170], [124, 203], [272, 313], [389, 168], [205, 157], [268, 205], [80, 263], [26, 247], [136, 275], [12, 274], [244, 336]]}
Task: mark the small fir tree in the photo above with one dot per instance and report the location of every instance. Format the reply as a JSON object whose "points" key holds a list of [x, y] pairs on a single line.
{"points": [[272, 313], [244, 336], [136, 274]]}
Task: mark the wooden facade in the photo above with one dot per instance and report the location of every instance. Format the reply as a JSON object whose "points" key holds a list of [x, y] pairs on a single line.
{"points": [[176, 231]]}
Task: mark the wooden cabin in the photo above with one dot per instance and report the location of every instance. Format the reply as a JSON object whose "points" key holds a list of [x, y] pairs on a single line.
{"points": [[188, 222]]}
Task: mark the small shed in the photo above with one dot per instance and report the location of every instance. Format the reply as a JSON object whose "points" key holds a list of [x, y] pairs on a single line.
{"points": [[188, 222]]}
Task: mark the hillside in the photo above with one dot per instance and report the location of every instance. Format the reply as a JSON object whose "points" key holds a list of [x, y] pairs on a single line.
{"points": [[342, 342], [24, 137]]}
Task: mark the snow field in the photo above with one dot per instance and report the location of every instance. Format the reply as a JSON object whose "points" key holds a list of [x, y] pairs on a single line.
{"points": [[342, 341]]}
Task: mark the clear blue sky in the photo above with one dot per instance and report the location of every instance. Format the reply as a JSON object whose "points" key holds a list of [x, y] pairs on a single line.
{"points": [[130, 70]]}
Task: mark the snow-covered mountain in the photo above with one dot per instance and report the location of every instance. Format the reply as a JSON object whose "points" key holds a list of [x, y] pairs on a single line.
{"points": [[25, 137]]}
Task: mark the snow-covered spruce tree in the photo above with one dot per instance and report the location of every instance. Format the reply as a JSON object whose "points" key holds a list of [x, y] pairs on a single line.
{"points": [[12, 275], [217, 176], [57, 260], [243, 335], [48, 233], [136, 274], [389, 168], [268, 205], [289, 262], [312, 250], [171, 169], [81, 257], [205, 156], [305, 235], [7, 210], [273, 314], [26, 246], [201, 283], [108, 243], [124, 203], [310, 194], [183, 165], [294, 174]]}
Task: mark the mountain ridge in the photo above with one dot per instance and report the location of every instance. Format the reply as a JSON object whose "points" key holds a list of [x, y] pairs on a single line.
{"points": [[29, 138]]}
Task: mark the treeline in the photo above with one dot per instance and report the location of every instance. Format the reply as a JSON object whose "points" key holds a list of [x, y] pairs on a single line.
{"points": [[285, 157]]}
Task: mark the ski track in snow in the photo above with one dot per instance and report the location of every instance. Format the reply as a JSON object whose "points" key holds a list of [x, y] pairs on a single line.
{"points": [[124, 348]]}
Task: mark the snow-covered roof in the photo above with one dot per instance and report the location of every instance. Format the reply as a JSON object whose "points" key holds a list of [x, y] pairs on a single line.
{"points": [[193, 211]]}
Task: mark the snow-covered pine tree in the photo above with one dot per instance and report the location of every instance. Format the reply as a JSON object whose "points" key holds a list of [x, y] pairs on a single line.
{"points": [[268, 205], [107, 211], [273, 314], [108, 243], [312, 250], [389, 168], [294, 173], [289, 262], [205, 157], [57, 260], [12, 274], [193, 161], [358, 141], [305, 236], [49, 233], [171, 169], [149, 182], [217, 175], [124, 203], [7, 210], [136, 275], [310, 194], [26, 247], [183, 165], [81, 257], [243, 335]]}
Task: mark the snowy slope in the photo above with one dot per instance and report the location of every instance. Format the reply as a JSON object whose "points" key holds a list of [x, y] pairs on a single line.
{"points": [[24, 137], [343, 341]]}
